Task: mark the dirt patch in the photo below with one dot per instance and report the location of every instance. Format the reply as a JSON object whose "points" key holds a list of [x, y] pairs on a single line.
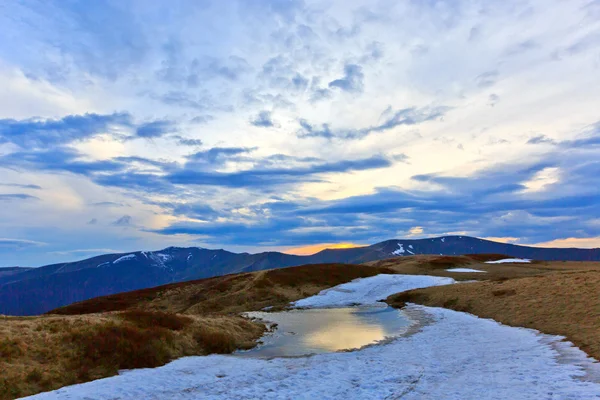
{"points": [[566, 304]]}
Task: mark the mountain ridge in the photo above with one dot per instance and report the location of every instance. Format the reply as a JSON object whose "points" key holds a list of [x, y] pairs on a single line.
{"points": [[37, 290]]}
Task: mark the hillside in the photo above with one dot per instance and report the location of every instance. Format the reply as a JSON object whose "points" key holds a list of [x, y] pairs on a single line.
{"points": [[151, 326], [38, 290], [77, 343]]}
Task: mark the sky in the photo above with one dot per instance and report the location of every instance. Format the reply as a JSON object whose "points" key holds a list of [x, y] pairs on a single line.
{"points": [[282, 124]]}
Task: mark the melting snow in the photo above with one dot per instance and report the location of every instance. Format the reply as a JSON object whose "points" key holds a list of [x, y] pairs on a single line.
{"points": [[464, 270], [124, 258], [399, 251], [510, 260], [457, 356], [370, 290]]}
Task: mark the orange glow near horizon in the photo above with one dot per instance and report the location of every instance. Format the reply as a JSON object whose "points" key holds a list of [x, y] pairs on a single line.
{"points": [[315, 248]]}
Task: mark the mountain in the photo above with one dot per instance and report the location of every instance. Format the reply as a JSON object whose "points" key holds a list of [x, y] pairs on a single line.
{"points": [[30, 291]]}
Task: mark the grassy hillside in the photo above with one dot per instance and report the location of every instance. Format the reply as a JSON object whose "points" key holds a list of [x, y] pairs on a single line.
{"points": [[147, 328]]}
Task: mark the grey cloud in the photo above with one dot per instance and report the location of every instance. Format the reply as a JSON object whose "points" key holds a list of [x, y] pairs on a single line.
{"points": [[352, 80]]}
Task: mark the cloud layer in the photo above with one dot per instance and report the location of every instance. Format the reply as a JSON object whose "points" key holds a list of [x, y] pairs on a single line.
{"points": [[122, 126]]}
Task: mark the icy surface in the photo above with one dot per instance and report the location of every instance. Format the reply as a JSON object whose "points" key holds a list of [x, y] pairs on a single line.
{"points": [[464, 270], [509, 260], [456, 356], [124, 258], [459, 356], [370, 290]]}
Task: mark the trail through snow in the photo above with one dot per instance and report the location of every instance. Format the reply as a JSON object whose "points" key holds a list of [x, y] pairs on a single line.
{"points": [[456, 356]]}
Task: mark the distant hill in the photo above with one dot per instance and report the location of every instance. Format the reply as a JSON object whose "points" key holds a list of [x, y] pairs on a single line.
{"points": [[30, 291]]}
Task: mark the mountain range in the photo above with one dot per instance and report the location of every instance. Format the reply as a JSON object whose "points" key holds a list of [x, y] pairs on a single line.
{"points": [[31, 291]]}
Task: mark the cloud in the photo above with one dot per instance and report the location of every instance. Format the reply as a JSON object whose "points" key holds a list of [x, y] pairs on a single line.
{"points": [[21, 186], [108, 204], [154, 129], [273, 176], [405, 117], [352, 80], [92, 221], [263, 119], [577, 242], [415, 231], [486, 79], [125, 220], [19, 243], [17, 196], [187, 141], [541, 139], [36, 133], [51, 132]]}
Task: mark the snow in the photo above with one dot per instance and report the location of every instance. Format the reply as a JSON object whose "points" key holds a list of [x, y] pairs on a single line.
{"points": [[124, 258], [410, 252], [410, 246], [458, 356], [510, 260], [399, 251], [464, 270], [163, 257], [370, 290], [189, 257], [443, 240], [453, 356]]}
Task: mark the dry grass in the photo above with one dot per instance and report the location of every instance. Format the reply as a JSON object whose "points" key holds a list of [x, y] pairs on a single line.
{"points": [[230, 294], [45, 353], [147, 328], [566, 303], [437, 265]]}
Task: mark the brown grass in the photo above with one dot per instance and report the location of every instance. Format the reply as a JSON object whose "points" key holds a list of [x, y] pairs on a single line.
{"points": [[147, 328], [45, 353], [566, 304], [230, 294]]}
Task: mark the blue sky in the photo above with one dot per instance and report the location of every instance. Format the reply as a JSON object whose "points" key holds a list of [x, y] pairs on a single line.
{"points": [[270, 125]]}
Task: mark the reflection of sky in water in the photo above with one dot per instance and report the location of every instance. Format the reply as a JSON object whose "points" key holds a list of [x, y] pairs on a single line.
{"points": [[301, 332]]}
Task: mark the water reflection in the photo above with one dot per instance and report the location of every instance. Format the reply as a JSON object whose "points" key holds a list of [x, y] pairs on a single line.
{"points": [[302, 332]]}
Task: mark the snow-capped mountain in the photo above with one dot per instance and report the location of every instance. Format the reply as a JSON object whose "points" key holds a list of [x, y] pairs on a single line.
{"points": [[29, 291]]}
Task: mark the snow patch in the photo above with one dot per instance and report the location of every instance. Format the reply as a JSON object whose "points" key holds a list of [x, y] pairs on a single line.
{"points": [[367, 291], [458, 356], [464, 270], [410, 246], [125, 258], [510, 260], [443, 240], [399, 251], [189, 257], [163, 257]]}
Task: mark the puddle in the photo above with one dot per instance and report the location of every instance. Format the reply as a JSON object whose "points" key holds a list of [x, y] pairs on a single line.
{"points": [[312, 331]]}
